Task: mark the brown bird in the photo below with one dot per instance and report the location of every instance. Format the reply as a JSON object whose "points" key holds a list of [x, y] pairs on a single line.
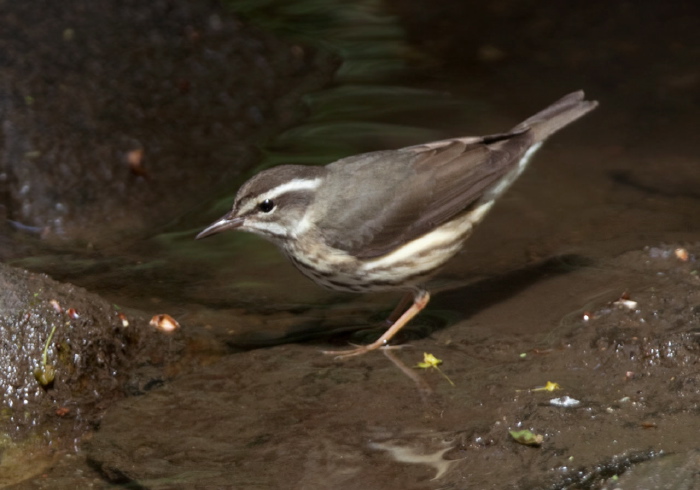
{"points": [[389, 220]]}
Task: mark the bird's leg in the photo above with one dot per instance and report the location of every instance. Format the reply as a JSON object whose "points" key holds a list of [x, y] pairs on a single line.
{"points": [[420, 300], [406, 300]]}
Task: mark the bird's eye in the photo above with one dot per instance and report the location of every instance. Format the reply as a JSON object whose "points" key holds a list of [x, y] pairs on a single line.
{"points": [[266, 206]]}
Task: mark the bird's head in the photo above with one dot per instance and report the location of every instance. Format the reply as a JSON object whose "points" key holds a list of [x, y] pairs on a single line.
{"points": [[273, 203]]}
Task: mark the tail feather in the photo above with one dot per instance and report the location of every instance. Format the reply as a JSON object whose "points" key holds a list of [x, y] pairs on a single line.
{"points": [[562, 113]]}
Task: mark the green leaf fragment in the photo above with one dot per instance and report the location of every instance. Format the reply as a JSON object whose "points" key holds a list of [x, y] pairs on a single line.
{"points": [[527, 437]]}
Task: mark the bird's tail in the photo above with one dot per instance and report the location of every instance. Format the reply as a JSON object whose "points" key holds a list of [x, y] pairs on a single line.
{"points": [[562, 113]]}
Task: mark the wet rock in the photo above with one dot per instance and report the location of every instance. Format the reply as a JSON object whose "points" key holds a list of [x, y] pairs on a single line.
{"points": [[279, 418], [669, 472], [66, 356], [288, 417], [117, 116]]}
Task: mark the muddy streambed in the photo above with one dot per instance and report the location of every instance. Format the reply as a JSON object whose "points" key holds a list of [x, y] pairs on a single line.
{"points": [[572, 314]]}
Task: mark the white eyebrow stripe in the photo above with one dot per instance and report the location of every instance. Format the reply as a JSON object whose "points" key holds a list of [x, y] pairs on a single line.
{"points": [[291, 186]]}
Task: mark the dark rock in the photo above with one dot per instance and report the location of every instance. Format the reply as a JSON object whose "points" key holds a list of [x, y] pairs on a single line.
{"points": [[94, 352], [118, 116]]}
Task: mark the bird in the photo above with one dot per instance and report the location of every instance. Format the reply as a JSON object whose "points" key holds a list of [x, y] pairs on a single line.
{"points": [[389, 220]]}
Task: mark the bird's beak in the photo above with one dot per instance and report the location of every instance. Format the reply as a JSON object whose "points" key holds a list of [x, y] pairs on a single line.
{"points": [[226, 223]]}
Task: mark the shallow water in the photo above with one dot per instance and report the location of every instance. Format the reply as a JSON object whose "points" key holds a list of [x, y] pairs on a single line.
{"points": [[619, 179]]}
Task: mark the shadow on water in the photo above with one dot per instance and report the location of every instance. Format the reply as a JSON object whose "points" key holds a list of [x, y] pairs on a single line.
{"points": [[671, 187], [340, 324], [485, 293]]}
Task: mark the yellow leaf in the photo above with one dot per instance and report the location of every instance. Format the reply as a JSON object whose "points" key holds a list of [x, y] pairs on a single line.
{"points": [[430, 361], [550, 386]]}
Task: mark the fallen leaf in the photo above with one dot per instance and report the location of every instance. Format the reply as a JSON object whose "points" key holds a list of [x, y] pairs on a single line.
{"points": [[432, 362], [550, 386], [527, 437]]}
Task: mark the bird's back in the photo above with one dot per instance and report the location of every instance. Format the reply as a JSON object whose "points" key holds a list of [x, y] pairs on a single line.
{"points": [[381, 200]]}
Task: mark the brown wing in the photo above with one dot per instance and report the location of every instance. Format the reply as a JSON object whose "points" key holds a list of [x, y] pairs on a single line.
{"points": [[379, 201], [382, 200]]}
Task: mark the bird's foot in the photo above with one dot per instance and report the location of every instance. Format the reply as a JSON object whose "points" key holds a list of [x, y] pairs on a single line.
{"points": [[361, 349]]}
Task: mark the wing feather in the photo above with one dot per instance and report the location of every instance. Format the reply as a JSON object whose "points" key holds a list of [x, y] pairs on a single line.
{"points": [[389, 198], [377, 202]]}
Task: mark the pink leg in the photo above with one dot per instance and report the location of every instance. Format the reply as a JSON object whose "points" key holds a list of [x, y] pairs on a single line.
{"points": [[420, 300], [406, 300]]}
